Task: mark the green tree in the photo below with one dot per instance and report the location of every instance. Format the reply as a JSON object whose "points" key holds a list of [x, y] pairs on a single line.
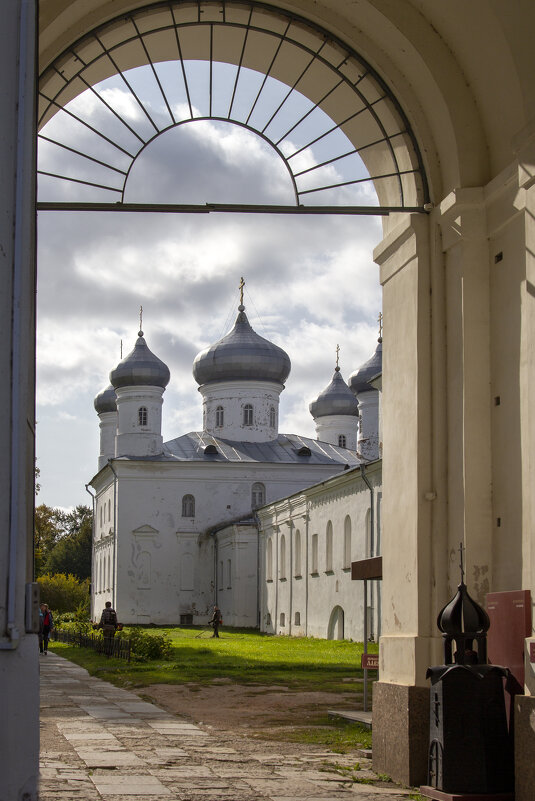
{"points": [[71, 553], [63, 593], [48, 530]]}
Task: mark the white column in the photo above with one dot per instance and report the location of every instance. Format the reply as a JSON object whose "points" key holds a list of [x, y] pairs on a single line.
{"points": [[19, 679]]}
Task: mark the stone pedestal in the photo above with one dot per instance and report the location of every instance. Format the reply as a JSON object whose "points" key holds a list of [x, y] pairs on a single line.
{"points": [[524, 747], [401, 732]]}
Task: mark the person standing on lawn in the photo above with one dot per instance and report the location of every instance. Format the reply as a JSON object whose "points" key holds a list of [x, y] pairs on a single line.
{"points": [[46, 624], [215, 621], [108, 624]]}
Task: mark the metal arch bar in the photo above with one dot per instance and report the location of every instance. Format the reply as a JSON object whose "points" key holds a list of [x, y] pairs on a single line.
{"points": [[283, 37], [232, 208], [82, 155], [357, 181]]}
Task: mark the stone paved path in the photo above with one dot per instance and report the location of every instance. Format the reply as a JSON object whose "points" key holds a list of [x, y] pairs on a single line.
{"points": [[102, 742]]}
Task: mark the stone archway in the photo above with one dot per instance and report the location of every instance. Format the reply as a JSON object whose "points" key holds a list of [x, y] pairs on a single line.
{"points": [[335, 629]]}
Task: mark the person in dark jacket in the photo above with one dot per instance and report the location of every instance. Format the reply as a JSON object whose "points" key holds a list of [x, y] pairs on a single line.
{"points": [[46, 624], [108, 624], [215, 621]]}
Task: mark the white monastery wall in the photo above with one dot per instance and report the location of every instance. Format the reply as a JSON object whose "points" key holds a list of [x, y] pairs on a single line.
{"points": [[308, 542], [164, 564], [330, 427]]}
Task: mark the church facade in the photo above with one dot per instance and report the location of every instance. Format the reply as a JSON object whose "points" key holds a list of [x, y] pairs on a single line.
{"points": [[177, 523]]}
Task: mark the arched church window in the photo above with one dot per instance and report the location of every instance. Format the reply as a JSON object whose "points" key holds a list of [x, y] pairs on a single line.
{"points": [[109, 509], [258, 494], [101, 516], [347, 543], [142, 416], [219, 417], [342, 440], [248, 415], [282, 567], [314, 555], [188, 506], [297, 553], [329, 548], [272, 417], [269, 560]]}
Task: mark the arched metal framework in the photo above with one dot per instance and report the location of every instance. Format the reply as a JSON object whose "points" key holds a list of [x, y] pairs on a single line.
{"points": [[330, 117]]}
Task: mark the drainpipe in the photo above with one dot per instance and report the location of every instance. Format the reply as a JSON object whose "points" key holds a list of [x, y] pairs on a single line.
{"points": [[291, 577], [115, 479], [372, 537], [276, 578], [92, 608], [216, 543], [258, 616], [306, 570]]}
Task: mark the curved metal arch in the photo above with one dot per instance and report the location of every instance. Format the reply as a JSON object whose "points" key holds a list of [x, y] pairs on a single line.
{"points": [[216, 119], [67, 73]]}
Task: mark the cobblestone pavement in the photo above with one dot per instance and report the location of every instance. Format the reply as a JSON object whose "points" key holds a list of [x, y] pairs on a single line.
{"points": [[102, 742]]}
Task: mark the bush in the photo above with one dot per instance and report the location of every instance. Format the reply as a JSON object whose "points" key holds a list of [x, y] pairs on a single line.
{"points": [[145, 646], [75, 626], [64, 593]]}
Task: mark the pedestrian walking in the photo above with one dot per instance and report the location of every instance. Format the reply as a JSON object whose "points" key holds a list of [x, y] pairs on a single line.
{"points": [[215, 621], [108, 624], [46, 624]]}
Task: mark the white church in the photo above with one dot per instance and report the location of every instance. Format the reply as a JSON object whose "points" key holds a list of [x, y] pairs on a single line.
{"points": [[264, 524]]}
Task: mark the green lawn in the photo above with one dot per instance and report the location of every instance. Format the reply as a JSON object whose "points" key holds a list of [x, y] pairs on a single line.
{"points": [[242, 655]]}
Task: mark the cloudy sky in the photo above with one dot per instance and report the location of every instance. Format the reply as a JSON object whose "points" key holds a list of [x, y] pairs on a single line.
{"points": [[310, 284]]}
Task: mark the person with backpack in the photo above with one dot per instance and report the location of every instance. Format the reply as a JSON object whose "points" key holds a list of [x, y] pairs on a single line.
{"points": [[108, 624], [46, 624], [215, 621]]}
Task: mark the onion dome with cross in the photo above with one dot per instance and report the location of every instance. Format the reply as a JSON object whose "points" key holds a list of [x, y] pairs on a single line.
{"points": [[242, 355]]}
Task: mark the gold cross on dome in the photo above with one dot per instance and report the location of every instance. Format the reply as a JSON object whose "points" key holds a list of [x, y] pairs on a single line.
{"points": [[242, 284], [380, 321], [337, 355]]}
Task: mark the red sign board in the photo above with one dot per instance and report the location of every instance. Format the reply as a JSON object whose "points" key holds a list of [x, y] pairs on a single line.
{"points": [[510, 623], [370, 661], [532, 652]]}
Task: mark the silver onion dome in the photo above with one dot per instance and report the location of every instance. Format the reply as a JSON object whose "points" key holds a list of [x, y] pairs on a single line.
{"points": [[358, 381], [337, 398], [106, 400], [242, 354], [140, 368]]}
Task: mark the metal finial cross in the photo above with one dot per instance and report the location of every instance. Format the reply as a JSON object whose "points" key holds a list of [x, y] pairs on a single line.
{"points": [[242, 284], [380, 321], [141, 318], [461, 551], [337, 355], [121, 348]]}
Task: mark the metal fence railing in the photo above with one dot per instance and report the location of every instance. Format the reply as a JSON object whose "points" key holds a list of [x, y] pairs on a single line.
{"points": [[119, 647]]}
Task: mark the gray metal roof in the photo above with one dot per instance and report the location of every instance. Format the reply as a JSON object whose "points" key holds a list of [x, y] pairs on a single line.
{"points": [[358, 381], [106, 400], [242, 354], [140, 368], [284, 450], [337, 398]]}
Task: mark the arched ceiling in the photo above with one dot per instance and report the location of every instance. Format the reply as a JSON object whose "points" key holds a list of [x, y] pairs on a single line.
{"points": [[461, 71], [328, 115]]}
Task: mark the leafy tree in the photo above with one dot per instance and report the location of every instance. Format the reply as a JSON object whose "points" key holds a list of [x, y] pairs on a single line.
{"points": [[64, 593], [71, 553], [49, 528]]}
